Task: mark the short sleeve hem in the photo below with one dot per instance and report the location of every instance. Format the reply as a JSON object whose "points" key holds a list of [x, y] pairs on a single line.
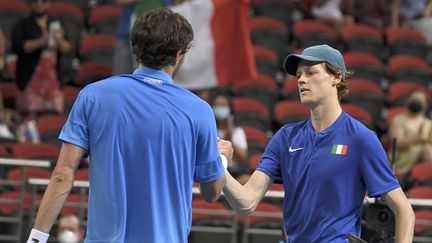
{"points": [[376, 192], [74, 141], [209, 171], [275, 180]]}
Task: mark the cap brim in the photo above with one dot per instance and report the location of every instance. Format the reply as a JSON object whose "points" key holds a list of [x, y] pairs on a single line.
{"points": [[292, 61]]}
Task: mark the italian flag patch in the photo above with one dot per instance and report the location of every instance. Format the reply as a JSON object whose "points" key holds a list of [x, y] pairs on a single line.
{"points": [[339, 149]]}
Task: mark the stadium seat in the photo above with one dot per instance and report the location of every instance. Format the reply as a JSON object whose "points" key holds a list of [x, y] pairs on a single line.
{"points": [[212, 223], [290, 89], [8, 92], [10, 13], [289, 112], [257, 140], [98, 48], [399, 91], [104, 19], [267, 218], [263, 89], [423, 224], [421, 192], [267, 61], [11, 207], [89, 72], [406, 41], [269, 32], [14, 174], [311, 32], [251, 112], [49, 128], [365, 66], [409, 68], [363, 38], [44, 151], [421, 174], [254, 161], [278, 9], [70, 95], [368, 95], [74, 204], [360, 114], [82, 174]]}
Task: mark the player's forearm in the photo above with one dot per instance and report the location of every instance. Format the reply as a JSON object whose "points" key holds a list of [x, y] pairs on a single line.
{"points": [[405, 221], [241, 198], [55, 195]]}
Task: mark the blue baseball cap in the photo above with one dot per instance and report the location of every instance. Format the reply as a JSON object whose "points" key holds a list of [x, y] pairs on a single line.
{"points": [[319, 53]]}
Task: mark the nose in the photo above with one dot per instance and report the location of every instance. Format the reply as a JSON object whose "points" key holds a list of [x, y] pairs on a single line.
{"points": [[300, 79]]}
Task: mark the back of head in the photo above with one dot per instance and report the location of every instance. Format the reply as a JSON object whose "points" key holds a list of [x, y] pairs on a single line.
{"points": [[158, 36]]}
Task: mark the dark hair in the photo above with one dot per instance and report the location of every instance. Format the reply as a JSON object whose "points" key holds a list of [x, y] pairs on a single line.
{"points": [[158, 36]]}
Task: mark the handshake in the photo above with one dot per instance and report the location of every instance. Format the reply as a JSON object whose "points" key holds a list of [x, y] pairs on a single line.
{"points": [[226, 151]]}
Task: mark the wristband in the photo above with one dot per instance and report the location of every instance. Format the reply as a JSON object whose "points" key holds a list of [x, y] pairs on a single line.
{"points": [[224, 161], [37, 236]]}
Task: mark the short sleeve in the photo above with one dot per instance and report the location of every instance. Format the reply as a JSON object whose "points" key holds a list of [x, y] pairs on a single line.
{"points": [[208, 163], [376, 170], [270, 162], [75, 130]]}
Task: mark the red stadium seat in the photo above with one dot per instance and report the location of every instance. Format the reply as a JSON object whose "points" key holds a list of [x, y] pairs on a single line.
{"points": [[399, 91], [8, 92], [269, 32], [257, 140], [74, 203], [254, 161], [406, 41], [423, 225], [98, 48], [359, 113], [362, 38], [290, 88], [250, 112], [10, 208], [312, 32], [49, 127], [263, 88], [266, 216], [36, 151], [290, 111], [421, 174], [410, 68], [82, 175], [421, 192], [104, 19], [72, 18], [89, 72], [365, 66]]}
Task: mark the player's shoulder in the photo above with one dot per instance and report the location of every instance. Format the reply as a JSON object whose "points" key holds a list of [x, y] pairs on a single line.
{"points": [[357, 130], [292, 129]]}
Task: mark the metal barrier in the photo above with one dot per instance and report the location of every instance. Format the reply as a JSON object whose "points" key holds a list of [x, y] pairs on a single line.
{"points": [[17, 219], [83, 185]]}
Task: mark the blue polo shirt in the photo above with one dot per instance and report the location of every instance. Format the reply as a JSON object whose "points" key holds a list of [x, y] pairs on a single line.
{"points": [[325, 177], [148, 141]]}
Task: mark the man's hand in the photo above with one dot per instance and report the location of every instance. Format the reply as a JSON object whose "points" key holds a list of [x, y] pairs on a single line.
{"points": [[226, 148]]}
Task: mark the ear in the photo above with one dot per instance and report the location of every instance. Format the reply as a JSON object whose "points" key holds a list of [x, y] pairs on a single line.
{"points": [[179, 56]]}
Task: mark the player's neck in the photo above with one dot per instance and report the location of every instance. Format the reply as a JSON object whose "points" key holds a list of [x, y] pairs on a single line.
{"points": [[323, 116]]}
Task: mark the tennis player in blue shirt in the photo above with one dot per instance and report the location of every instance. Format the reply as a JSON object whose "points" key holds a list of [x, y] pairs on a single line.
{"points": [[326, 163], [148, 141]]}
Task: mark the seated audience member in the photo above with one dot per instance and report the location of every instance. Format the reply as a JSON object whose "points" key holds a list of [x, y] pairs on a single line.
{"points": [[69, 229], [368, 12], [405, 11], [329, 11], [412, 130], [227, 130]]}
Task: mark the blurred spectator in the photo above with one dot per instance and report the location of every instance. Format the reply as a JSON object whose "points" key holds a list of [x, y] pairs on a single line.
{"points": [[69, 229], [405, 11], [27, 130], [412, 130], [3, 44], [122, 62], [228, 131], [329, 11], [7, 124], [38, 41], [368, 12]]}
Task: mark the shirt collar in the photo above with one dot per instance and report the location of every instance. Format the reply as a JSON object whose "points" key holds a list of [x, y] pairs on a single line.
{"points": [[153, 73], [335, 125]]}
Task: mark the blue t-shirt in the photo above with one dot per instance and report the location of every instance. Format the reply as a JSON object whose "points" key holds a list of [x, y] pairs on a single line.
{"points": [[325, 177], [148, 140]]}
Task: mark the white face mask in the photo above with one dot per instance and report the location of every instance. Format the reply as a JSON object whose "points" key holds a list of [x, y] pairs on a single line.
{"points": [[222, 112], [68, 236]]}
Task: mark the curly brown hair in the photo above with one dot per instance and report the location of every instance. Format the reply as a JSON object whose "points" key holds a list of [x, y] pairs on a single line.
{"points": [[158, 36], [342, 87]]}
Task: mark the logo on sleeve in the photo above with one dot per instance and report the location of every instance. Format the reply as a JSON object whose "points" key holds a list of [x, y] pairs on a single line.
{"points": [[339, 149], [152, 80]]}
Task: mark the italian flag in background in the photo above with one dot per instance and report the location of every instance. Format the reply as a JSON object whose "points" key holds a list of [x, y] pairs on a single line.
{"points": [[339, 149]]}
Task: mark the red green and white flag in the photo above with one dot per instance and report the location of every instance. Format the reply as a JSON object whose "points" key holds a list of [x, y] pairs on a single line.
{"points": [[339, 149]]}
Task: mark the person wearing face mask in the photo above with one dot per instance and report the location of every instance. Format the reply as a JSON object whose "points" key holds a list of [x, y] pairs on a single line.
{"points": [[412, 130], [228, 131], [69, 229]]}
